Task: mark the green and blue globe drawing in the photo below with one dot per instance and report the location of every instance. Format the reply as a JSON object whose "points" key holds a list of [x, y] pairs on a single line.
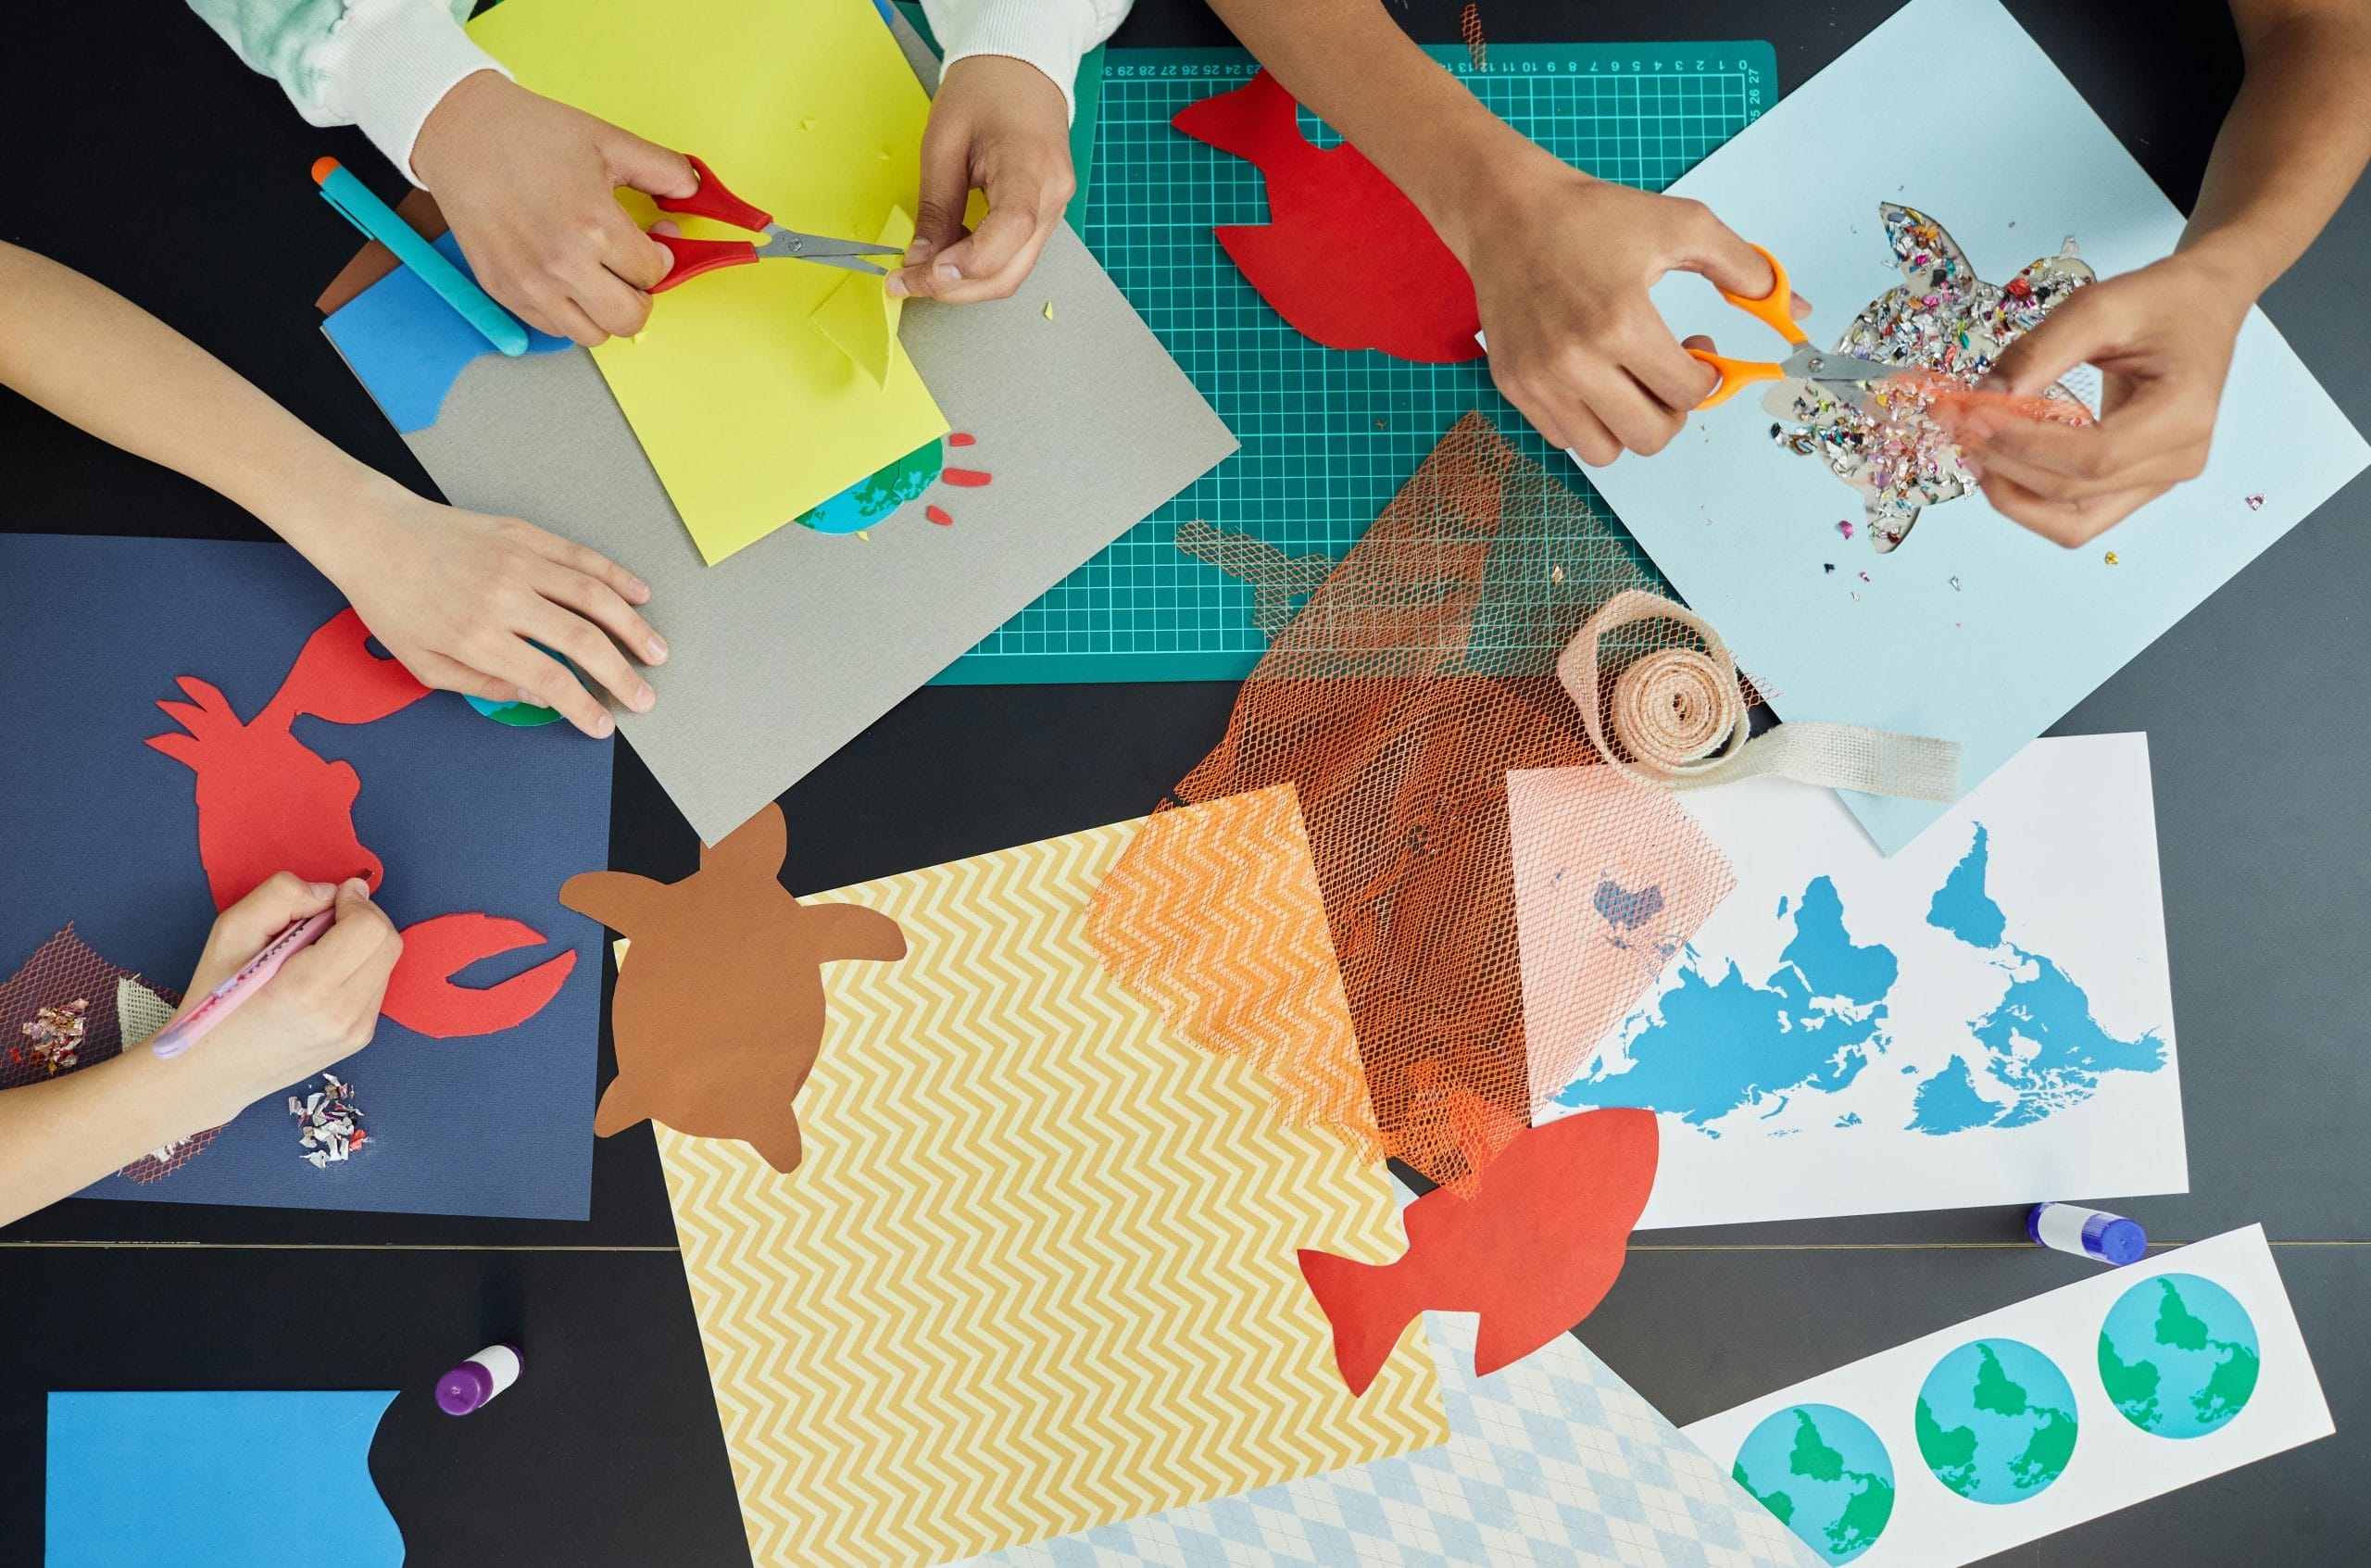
{"points": [[878, 494], [2178, 1356], [1996, 1420], [1825, 1475]]}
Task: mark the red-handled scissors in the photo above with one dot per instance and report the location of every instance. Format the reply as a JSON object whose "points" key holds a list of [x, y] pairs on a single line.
{"points": [[775, 242], [1844, 377]]}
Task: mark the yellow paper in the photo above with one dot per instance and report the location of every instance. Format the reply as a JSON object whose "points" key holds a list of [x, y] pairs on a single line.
{"points": [[1036, 1270], [749, 412], [859, 317]]}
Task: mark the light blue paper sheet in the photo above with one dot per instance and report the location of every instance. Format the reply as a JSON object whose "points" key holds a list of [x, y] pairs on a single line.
{"points": [[1975, 629], [217, 1480]]}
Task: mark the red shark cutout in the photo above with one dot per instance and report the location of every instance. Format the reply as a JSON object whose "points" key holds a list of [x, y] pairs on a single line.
{"points": [[268, 803], [1532, 1251], [1345, 257]]}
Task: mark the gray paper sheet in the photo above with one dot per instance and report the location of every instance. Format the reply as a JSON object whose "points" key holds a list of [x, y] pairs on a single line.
{"points": [[787, 650]]}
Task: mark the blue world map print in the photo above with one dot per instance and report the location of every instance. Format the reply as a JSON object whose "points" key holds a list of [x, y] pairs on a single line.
{"points": [[1984, 1016], [1724, 1048]]}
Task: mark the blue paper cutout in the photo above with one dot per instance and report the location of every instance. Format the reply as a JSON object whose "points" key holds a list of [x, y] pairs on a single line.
{"points": [[217, 1480], [408, 346]]}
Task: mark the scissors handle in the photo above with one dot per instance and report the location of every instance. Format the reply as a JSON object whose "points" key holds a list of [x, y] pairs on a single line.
{"points": [[714, 200], [695, 257], [1775, 310], [1735, 373]]}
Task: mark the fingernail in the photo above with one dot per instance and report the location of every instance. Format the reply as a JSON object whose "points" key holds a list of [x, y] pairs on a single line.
{"points": [[948, 272], [917, 252], [643, 698], [655, 648], [602, 726], [639, 588], [356, 886], [895, 287], [322, 889], [530, 698]]}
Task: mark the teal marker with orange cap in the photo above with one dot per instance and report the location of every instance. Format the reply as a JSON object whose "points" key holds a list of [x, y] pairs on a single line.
{"points": [[376, 218]]}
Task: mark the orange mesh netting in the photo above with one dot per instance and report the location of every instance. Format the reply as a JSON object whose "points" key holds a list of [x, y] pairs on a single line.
{"points": [[1213, 915], [1396, 702], [57, 1015]]}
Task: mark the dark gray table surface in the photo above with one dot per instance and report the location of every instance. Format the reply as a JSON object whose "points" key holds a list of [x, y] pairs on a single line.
{"points": [[144, 154]]}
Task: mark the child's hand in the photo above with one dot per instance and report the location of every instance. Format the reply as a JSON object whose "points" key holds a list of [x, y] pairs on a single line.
{"points": [[456, 596], [2162, 338], [320, 1008], [1561, 264], [1003, 126], [528, 186]]}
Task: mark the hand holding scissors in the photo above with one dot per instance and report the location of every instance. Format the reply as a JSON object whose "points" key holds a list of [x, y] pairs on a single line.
{"points": [[775, 242]]}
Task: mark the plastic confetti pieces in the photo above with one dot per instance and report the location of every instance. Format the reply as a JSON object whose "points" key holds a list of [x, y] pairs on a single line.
{"points": [[2255, 503], [1845, 528], [54, 1037], [2110, 560], [329, 1124], [1829, 567], [1955, 584]]}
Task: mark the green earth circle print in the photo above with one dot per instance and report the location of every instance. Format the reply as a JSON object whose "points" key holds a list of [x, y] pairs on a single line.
{"points": [[2178, 1356], [1996, 1420], [1825, 1474]]}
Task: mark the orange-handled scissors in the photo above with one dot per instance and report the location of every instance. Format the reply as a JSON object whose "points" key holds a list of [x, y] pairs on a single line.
{"points": [[1843, 377]]}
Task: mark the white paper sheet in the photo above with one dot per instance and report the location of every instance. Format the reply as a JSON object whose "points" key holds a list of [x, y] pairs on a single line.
{"points": [[1983, 1018], [2206, 1417], [1975, 629]]}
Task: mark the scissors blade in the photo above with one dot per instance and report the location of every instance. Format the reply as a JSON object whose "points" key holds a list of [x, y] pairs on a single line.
{"points": [[1846, 378], [789, 244]]}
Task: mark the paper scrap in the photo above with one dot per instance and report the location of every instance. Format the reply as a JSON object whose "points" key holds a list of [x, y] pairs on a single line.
{"points": [[993, 1304], [1345, 257], [1554, 1459], [216, 1480], [407, 346], [1984, 1019], [748, 413], [859, 315], [717, 1027], [1532, 1250], [1740, 528], [2008, 1427]]}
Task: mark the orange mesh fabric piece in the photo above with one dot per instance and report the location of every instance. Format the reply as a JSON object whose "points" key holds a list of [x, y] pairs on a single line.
{"points": [[1396, 702], [64, 980], [1213, 915]]}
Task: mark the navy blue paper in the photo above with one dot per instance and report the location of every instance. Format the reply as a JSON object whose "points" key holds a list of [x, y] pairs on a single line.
{"points": [[98, 828]]}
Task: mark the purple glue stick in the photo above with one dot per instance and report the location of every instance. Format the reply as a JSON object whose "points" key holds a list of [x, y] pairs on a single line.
{"points": [[478, 1379], [2088, 1233]]}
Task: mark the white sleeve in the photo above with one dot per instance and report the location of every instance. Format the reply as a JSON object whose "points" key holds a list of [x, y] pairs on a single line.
{"points": [[1053, 35], [379, 64]]}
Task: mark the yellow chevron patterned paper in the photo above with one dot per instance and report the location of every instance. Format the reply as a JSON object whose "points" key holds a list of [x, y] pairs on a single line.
{"points": [[1036, 1272]]}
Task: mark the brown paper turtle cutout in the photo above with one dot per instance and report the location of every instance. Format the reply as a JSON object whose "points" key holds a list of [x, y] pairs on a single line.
{"points": [[719, 1016]]}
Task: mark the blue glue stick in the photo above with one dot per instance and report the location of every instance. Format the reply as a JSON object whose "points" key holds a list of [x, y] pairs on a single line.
{"points": [[2088, 1233]]}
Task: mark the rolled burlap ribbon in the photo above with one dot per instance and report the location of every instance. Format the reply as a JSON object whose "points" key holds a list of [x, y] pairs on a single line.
{"points": [[1681, 720]]}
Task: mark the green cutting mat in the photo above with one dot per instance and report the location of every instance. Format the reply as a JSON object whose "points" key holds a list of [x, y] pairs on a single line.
{"points": [[1328, 436]]}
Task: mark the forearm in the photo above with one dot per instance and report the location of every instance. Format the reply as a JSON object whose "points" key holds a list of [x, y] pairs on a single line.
{"points": [[1354, 69], [96, 360], [58, 1137], [2296, 138]]}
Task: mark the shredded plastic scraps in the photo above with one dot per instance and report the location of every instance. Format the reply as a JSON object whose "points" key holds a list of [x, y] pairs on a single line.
{"points": [[1946, 327], [329, 1124], [54, 1037]]}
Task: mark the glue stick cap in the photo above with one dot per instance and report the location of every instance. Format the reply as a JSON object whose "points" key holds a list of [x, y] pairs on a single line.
{"points": [[477, 1380], [2121, 1241], [2090, 1232]]}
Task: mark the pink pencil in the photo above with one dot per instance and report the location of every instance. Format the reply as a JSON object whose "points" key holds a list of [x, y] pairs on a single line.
{"points": [[224, 999]]}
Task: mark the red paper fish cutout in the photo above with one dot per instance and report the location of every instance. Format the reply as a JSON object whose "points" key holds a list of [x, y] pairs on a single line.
{"points": [[266, 802], [1345, 256], [1532, 1251]]}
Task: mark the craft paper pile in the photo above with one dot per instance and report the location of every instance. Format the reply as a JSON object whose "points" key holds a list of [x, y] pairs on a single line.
{"points": [[1554, 1459], [1418, 674], [196, 716], [2024, 1422], [1067, 432], [1974, 629], [1035, 1271], [748, 409], [1985, 1018]]}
